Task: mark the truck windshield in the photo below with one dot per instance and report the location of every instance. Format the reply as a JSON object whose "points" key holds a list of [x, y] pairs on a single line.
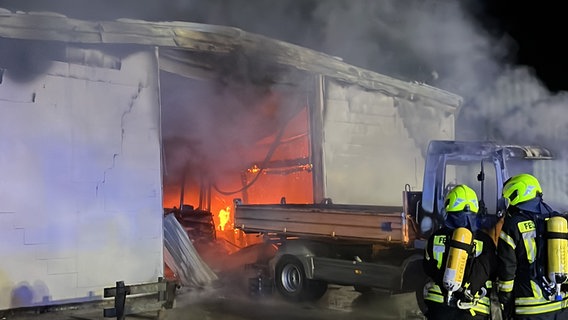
{"points": [[467, 173]]}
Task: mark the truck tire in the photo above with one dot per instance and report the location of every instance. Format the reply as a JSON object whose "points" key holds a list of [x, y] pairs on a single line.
{"points": [[363, 289], [414, 280], [419, 293], [292, 283]]}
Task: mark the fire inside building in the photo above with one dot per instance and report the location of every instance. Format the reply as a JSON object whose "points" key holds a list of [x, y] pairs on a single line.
{"points": [[251, 144]]}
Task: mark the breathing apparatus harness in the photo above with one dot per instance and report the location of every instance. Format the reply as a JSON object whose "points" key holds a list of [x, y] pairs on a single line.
{"points": [[549, 268], [461, 252], [461, 249]]}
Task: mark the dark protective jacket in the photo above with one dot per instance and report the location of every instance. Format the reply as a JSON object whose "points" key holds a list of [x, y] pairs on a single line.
{"points": [[521, 255], [480, 272]]}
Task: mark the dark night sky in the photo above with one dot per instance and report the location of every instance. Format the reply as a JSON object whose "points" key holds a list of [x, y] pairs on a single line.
{"points": [[534, 28], [539, 30]]}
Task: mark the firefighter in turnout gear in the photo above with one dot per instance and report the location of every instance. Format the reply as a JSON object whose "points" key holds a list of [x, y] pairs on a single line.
{"points": [[461, 261], [532, 253]]}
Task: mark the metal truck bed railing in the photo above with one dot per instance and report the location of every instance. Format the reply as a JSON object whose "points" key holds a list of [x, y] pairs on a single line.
{"points": [[369, 223]]}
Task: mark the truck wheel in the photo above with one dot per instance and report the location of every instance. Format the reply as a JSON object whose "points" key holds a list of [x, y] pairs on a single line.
{"points": [[414, 280], [419, 293], [292, 283]]}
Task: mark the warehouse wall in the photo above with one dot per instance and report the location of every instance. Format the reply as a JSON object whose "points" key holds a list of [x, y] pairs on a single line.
{"points": [[80, 176], [374, 144]]}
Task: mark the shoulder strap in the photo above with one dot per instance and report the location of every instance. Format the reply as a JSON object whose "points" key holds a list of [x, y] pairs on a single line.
{"points": [[538, 267]]}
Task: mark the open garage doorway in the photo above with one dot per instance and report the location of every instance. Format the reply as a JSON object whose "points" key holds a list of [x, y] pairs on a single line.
{"points": [[227, 137]]}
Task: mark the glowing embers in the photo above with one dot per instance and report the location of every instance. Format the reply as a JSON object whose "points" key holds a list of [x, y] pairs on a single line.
{"points": [[254, 169]]}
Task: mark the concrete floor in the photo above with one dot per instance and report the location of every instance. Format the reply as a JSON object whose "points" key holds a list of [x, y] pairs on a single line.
{"points": [[229, 298], [229, 302], [338, 303]]}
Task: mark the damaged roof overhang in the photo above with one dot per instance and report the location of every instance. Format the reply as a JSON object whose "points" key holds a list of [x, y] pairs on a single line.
{"points": [[466, 151], [176, 39]]}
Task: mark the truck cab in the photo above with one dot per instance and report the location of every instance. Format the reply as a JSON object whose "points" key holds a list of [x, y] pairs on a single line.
{"points": [[482, 165]]}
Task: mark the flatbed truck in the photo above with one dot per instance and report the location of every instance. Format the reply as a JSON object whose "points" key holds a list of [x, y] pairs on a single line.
{"points": [[372, 246]]}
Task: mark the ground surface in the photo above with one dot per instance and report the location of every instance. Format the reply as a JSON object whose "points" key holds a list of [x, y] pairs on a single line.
{"points": [[339, 303], [229, 303], [230, 298]]}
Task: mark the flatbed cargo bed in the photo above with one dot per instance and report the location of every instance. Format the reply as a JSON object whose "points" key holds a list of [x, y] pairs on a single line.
{"points": [[365, 223]]}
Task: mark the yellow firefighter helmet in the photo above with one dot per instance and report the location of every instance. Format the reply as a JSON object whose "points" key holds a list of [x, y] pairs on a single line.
{"points": [[521, 188], [461, 198]]}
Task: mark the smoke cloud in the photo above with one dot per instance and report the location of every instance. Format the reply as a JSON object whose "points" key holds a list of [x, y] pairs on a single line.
{"points": [[441, 43], [437, 42]]}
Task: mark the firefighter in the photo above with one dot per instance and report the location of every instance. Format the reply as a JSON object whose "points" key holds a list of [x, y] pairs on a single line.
{"points": [[526, 291], [460, 259]]}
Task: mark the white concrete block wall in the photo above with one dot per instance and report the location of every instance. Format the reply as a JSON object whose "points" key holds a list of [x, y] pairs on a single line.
{"points": [[80, 181], [369, 154]]}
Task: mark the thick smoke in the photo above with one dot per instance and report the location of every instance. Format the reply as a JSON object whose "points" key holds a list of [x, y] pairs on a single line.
{"points": [[438, 42], [433, 41]]}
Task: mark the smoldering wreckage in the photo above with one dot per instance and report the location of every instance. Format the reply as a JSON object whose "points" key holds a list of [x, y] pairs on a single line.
{"points": [[312, 171]]}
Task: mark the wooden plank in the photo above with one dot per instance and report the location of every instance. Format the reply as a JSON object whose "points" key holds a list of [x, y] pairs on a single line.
{"points": [[138, 289], [322, 222]]}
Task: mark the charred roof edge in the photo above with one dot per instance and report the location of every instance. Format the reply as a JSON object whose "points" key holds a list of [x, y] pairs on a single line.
{"points": [[210, 38]]}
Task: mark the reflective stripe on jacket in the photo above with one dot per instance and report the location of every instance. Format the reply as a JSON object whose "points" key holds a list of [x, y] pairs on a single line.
{"points": [[435, 294], [517, 253]]}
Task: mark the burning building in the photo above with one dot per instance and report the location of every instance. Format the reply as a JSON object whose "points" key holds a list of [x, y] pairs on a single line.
{"points": [[105, 123]]}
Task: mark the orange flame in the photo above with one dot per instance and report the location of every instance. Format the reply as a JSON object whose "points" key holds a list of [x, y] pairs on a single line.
{"points": [[224, 217]]}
